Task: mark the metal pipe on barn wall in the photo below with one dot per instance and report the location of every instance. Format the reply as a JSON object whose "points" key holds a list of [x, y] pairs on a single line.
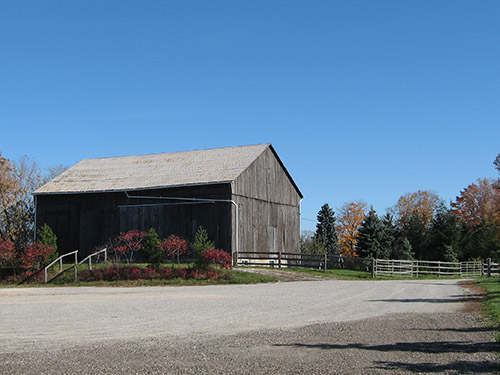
{"points": [[234, 252]]}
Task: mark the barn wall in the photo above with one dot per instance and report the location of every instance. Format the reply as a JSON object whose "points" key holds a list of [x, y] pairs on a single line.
{"points": [[86, 221], [269, 207]]}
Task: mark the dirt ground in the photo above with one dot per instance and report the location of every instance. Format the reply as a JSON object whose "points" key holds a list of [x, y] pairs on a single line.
{"points": [[356, 327]]}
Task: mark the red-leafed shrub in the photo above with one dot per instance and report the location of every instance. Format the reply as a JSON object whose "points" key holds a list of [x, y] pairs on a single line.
{"points": [[181, 273], [211, 275], [7, 252], [174, 246], [149, 273], [217, 256], [165, 273], [35, 256], [128, 244], [111, 274]]}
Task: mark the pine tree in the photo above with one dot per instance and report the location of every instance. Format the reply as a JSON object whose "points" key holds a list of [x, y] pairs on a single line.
{"points": [[151, 248], [400, 247], [325, 230], [201, 242], [373, 240], [444, 236]]}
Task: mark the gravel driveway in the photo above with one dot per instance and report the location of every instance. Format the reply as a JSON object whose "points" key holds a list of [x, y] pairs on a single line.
{"points": [[323, 327]]}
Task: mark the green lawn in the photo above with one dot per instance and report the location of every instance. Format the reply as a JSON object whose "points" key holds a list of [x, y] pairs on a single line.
{"points": [[492, 301], [67, 278]]}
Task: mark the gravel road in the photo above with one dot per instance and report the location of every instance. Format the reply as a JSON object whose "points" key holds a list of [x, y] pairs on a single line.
{"points": [[321, 327]]}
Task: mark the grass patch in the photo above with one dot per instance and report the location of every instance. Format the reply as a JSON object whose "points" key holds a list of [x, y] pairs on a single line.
{"points": [[67, 278], [342, 274], [491, 285]]}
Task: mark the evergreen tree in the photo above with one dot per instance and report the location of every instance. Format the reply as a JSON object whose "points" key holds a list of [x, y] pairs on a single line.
{"points": [[373, 239], [201, 242], [325, 230], [444, 236], [151, 248], [401, 249], [398, 243], [47, 237]]}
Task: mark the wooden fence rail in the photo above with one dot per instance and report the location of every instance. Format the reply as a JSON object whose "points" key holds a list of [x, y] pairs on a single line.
{"points": [[378, 267]]}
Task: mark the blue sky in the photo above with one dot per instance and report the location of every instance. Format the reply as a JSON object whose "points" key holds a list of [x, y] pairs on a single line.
{"points": [[363, 100]]}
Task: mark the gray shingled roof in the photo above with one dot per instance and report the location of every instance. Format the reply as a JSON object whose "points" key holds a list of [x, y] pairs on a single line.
{"points": [[157, 170]]}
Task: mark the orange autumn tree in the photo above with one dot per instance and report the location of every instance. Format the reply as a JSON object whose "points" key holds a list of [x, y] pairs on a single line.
{"points": [[478, 203], [349, 220], [420, 205]]}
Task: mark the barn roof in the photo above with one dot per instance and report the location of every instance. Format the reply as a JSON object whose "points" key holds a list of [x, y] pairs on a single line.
{"points": [[219, 165]]}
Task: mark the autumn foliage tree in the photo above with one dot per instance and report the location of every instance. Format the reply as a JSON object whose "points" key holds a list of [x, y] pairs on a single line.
{"points": [[478, 202], [351, 215], [128, 244], [173, 247]]}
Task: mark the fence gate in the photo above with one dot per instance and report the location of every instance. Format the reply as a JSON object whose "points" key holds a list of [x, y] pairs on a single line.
{"points": [[470, 269]]}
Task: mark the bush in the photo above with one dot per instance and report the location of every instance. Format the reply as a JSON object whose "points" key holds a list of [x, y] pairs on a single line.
{"points": [[174, 246], [7, 253], [36, 256], [218, 257], [151, 248]]}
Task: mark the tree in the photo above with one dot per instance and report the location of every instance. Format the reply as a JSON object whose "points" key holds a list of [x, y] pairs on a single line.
{"points": [[400, 246], [47, 237], [9, 185], [478, 202], [419, 206], [310, 245], [201, 242], [373, 240], [151, 248], [444, 236], [325, 230], [414, 213], [128, 244], [351, 215], [173, 247]]}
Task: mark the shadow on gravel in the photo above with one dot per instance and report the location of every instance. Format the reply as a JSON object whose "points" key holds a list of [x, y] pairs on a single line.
{"points": [[421, 347], [472, 329], [459, 367], [430, 300]]}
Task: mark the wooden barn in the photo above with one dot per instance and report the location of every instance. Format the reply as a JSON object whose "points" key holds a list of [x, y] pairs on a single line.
{"points": [[243, 196]]}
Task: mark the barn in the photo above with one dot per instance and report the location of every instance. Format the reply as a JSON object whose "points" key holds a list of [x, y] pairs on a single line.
{"points": [[243, 196]]}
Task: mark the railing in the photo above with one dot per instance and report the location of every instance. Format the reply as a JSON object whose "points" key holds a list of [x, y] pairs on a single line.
{"points": [[89, 260], [59, 259]]}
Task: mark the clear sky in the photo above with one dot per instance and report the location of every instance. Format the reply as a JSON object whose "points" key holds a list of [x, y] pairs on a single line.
{"points": [[363, 100]]}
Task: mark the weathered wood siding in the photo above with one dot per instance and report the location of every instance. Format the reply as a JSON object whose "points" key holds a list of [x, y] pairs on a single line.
{"points": [[269, 207], [86, 221]]}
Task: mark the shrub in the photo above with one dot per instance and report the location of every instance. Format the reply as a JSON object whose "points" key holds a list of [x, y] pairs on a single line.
{"points": [[201, 243], [151, 248], [127, 244], [7, 253], [218, 257], [35, 256], [174, 246]]}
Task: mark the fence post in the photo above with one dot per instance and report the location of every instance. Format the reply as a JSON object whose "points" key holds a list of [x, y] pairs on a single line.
{"points": [[325, 262], [45, 275], [374, 272], [439, 269], [279, 259], [489, 267]]}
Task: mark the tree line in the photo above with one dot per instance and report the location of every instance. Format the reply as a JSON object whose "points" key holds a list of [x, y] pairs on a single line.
{"points": [[419, 226]]}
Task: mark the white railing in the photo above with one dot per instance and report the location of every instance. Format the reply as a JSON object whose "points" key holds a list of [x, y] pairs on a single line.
{"points": [[89, 260], [416, 268], [59, 259]]}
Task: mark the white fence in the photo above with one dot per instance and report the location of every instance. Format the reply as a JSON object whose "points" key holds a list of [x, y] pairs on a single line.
{"points": [[378, 267], [416, 268]]}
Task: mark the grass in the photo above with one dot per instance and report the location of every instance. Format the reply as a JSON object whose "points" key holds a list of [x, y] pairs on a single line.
{"points": [[491, 286], [342, 274], [67, 278]]}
